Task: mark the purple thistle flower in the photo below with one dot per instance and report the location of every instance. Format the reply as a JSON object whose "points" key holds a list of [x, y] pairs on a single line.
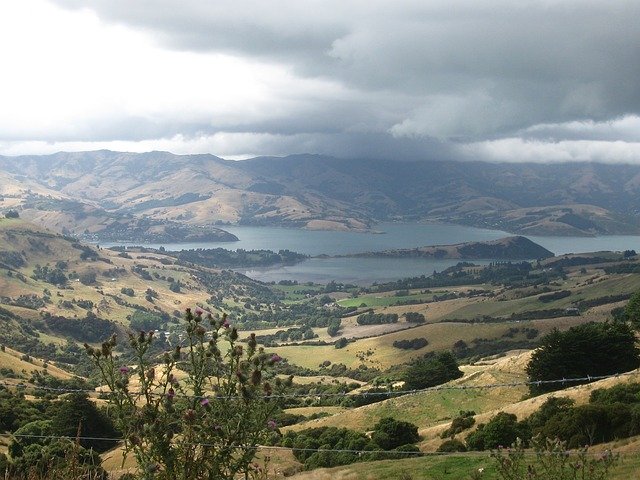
{"points": [[124, 370], [271, 424], [171, 393], [204, 402], [275, 358], [226, 323], [199, 311]]}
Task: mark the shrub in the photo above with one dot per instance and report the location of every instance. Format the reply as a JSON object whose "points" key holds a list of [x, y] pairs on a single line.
{"points": [[462, 422], [413, 344], [501, 430], [341, 343], [452, 446], [414, 317]]}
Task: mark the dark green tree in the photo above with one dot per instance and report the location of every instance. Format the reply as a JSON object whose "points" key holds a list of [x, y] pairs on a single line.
{"points": [[391, 433], [432, 370], [591, 349], [76, 413], [632, 310]]}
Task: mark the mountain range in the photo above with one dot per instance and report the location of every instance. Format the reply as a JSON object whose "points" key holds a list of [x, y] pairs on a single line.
{"points": [[111, 194]]}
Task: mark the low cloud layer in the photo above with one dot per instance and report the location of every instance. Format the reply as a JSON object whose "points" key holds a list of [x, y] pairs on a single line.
{"points": [[503, 81]]}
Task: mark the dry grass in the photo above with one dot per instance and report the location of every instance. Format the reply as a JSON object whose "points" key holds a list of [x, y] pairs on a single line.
{"points": [[12, 359]]}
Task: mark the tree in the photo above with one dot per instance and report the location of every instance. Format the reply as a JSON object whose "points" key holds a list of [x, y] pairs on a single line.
{"points": [[77, 413], [334, 327], [12, 214], [632, 310], [390, 433], [591, 349], [432, 370]]}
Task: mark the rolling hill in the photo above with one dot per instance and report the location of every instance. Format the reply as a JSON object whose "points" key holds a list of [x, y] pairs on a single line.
{"points": [[87, 192]]}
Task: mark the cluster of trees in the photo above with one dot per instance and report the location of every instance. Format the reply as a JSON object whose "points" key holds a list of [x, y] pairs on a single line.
{"points": [[414, 317], [146, 321], [371, 318], [89, 329], [518, 274], [413, 344], [387, 435], [311, 314], [220, 257], [52, 275], [293, 334], [612, 413]]}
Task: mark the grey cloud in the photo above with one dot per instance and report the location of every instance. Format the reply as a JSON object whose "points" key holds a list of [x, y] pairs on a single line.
{"points": [[465, 72]]}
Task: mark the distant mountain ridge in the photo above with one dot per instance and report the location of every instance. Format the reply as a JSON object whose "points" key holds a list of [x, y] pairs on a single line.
{"points": [[85, 192]]}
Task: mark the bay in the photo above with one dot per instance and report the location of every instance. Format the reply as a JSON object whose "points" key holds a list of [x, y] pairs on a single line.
{"points": [[396, 235]]}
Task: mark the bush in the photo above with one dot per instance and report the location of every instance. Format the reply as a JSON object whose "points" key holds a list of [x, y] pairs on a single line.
{"points": [[501, 430], [87, 278], [12, 214], [462, 422], [341, 343], [413, 344], [591, 349], [452, 446], [414, 317]]}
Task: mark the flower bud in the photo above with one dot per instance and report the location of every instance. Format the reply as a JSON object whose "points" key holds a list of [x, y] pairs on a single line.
{"points": [[256, 376]]}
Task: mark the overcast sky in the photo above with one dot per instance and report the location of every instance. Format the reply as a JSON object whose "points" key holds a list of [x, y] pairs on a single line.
{"points": [[520, 80]]}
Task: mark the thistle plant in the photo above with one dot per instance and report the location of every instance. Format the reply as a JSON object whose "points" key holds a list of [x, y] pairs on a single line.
{"points": [[199, 412]]}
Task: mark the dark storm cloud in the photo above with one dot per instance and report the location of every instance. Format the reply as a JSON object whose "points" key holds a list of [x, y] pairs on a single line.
{"points": [[459, 72]]}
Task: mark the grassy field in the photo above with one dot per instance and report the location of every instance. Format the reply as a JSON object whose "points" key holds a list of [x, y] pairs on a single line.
{"points": [[453, 466], [387, 299], [441, 336], [12, 360]]}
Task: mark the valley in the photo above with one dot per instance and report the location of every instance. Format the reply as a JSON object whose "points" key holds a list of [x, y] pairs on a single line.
{"points": [[338, 340]]}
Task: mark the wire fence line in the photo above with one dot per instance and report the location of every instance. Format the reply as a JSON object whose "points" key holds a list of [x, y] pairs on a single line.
{"points": [[394, 393], [315, 450]]}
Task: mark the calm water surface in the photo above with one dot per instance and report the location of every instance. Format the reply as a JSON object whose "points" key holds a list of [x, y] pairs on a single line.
{"points": [[369, 270]]}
